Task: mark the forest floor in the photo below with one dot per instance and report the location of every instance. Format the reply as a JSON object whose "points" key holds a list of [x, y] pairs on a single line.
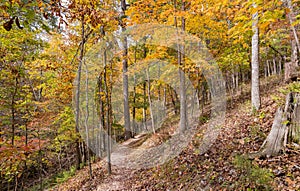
{"points": [[222, 167]]}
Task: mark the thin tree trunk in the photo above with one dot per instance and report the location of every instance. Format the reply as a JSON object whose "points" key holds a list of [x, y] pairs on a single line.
{"points": [[110, 119], [269, 69], [294, 55], [182, 89], [173, 100], [102, 118], [40, 160], [134, 107], [255, 92], [108, 149], [291, 17], [275, 67], [86, 123], [265, 69], [144, 107], [13, 111], [78, 93], [149, 100], [128, 133], [134, 100], [165, 98], [280, 65]]}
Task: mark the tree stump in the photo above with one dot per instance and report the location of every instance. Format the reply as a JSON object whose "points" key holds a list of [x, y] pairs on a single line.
{"points": [[285, 128]]}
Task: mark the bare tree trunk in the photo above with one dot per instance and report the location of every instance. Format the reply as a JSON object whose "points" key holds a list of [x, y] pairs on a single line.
{"points": [[78, 93], [110, 119], [291, 17], [173, 100], [108, 125], [165, 98], [134, 107], [134, 100], [265, 69], [198, 89], [294, 55], [86, 123], [255, 93], [40, 159], [180, 52], [290, 67], [101, 142], [274, 66], [13, 112], [144, 107], [290, 72], [128, 133], [280, 65], [149, 100], [237, 81], [269, 69]]}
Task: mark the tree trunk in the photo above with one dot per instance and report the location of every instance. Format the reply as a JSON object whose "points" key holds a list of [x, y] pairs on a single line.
{"points": [[86, 122], [291, 72], [265, 69], [280, 66], [291, 17], [128, 133], [285, 128], [255, 93], [149, 100], [269, 70], [78, 93], [144, 107], [182, 89], [13, 112], [108, 122], [101, 142], [173, 100], [275, 67], [134, 107]]}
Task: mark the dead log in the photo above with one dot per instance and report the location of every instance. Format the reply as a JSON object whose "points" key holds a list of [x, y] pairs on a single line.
{"points": [[285, 128]]}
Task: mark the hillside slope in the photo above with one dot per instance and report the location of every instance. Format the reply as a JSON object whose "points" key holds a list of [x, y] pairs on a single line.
{"points": [[223, 166]]}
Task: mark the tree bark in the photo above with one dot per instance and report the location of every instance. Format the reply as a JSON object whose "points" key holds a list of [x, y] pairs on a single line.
{"points": [[144, 107], [255, 93], [183, 117], [78, 93], [86, 123], [134, 107], [101, 142], [13, 111], [149, 100], [108, 122], [134, 131], [291, 73], [128, 133], [291, 17]]}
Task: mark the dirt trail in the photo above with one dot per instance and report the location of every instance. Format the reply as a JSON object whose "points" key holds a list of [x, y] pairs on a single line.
{"points": [[122, 175], [116, 180]]}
